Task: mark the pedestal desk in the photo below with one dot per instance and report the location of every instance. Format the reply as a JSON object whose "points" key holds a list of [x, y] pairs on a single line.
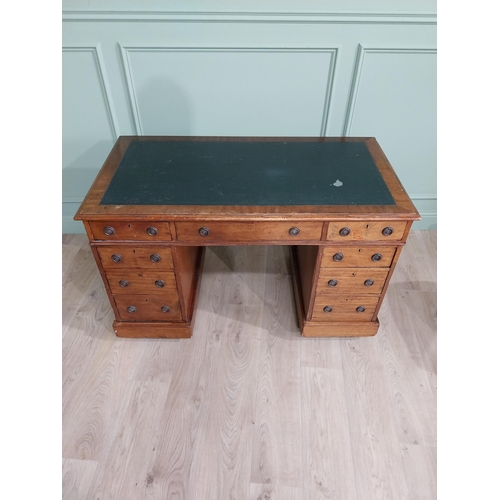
{"points": [[158, 202]]}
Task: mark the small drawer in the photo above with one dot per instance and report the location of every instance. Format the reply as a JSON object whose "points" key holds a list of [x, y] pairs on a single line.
{"points": [[345, 308], [351, 280], [147, 308], [203, 232], [136, 282], [130, 230], [114, 257], [357, 256], [369, 230]]}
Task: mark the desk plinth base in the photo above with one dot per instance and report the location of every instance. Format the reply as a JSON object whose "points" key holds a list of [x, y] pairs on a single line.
{"points": [[136, 329], [338, 329]]}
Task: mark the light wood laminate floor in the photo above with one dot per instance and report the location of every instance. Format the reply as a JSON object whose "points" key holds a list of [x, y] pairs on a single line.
{"points": [[247, 408]]}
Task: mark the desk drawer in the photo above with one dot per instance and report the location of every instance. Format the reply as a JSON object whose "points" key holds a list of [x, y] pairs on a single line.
{"points": [[345, 308], [129, 281], [130, 230], [369, 230], [358, 256], [114, 257], [147, 308], [203, 232], [350, 280]]}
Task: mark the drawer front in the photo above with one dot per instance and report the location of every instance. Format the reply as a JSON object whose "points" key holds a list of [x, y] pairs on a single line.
{"points": [[114, 257], [357, 256], [203, 232], [369, 230], [130, 230], [135, 282], [351, 280], [345, 308], [147, 308]]}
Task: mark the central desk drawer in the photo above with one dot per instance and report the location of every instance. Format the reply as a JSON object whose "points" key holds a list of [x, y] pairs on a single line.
{"points": [[202, 232]]}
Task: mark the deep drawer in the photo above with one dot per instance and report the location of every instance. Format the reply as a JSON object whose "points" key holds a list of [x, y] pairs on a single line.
{"points": [[366, 231], [147, 308], [351, 280], [114, 257], [130, 230], [203, 232], [345, 308], [128, 281], [358, 256]]}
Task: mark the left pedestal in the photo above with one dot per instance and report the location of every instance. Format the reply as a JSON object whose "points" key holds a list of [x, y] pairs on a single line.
{"points": [[152, 285]]}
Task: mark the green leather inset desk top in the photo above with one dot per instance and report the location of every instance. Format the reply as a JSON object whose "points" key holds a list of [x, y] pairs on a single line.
{"points": [[247, 173]]}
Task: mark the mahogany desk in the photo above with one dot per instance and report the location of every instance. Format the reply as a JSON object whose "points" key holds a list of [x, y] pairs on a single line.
{"points": [[159, 201]]}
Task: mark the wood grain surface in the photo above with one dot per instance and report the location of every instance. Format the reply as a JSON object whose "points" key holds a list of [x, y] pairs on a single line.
{"points": [[344, 307], [135, 257], [248, 408], [365, 231], [130, 230], [148, 308], [357, 256], [355, 280], [135, 282], [248, 231]]}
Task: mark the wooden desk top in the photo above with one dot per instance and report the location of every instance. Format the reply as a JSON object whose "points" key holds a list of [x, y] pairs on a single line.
{"points": [[187, 178]]}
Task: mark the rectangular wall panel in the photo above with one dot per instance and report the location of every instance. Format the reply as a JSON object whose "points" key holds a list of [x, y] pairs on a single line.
{"points": [[228, 92]]}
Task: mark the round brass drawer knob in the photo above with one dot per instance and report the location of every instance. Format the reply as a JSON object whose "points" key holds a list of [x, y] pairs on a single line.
{"points": [[124, 283], [328, 309], [152, 231], [131, 309], [116, 257], [108, 231], [160, 283], [333, 283], [204, 231], [345, 231], [338, 257], [294, 231], [369, 282], [361, 309], [155, 258], [165, 309], [376, 257], [387, 231]]}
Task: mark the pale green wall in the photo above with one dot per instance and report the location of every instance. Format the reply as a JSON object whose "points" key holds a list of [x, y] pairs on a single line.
{"points": [[293, 68]]}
